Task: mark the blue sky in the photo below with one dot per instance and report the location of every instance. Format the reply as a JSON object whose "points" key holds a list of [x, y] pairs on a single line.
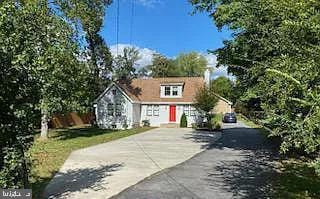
{"points": [[163, 26]]}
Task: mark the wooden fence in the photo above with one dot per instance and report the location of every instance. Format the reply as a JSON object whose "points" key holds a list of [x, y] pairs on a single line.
{"points": [[71, 119]]}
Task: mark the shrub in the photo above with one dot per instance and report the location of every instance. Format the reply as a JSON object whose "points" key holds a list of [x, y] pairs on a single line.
{"points": [[216, 121], [183, 121], [316, 165], [218, 126], [209, 126], [146, 123]]}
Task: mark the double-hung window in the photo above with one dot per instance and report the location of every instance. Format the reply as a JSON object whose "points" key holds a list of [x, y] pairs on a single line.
{"points": [[175, 91], [156, 110], [110, 108], [167, 90], [118, 109], [186, 110], [149, 110], [192, 111]]}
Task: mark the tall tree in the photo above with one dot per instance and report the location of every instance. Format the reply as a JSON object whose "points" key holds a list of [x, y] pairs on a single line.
{"points": [[275, 56], [191, 64], [143, 72], [205, 100], [223, 87], [39, 71], [125, 64], [162, 67], [88, 17]]}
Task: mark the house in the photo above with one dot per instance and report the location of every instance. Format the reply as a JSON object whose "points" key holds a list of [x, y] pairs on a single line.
{"points": [[160, 101]]}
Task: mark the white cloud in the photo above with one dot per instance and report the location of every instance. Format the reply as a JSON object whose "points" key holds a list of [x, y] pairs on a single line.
{"points": [[144, 53], [217, 72]]}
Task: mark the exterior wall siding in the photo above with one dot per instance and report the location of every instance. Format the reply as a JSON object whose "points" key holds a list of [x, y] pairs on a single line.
{"points": [[104, 120], [222, 107], [164, 111]]}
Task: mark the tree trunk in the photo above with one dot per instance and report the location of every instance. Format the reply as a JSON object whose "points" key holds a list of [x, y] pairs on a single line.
{"points": [[44, 125]]}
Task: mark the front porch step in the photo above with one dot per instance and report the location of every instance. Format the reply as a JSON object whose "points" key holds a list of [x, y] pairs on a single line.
{"points": [[170, 125]]}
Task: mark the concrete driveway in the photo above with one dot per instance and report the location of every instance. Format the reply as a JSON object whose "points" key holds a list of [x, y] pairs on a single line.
{"points": [[239, 165], [107, 169]]}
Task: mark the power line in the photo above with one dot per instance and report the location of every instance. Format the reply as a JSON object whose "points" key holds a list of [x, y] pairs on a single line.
{"points": [[132, 21], [118, 24]]}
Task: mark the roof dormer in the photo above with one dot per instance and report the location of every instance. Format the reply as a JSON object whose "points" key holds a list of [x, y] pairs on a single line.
{"points": [[171, 90]]}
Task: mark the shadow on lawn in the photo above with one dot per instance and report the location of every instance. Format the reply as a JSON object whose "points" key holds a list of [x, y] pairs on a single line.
{"points": [[297, 180], [247, 170], [65, 134], [78, 180]]}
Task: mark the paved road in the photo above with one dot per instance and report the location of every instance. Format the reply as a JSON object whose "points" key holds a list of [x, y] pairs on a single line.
{"points": [[239, 165], [102, 171]]}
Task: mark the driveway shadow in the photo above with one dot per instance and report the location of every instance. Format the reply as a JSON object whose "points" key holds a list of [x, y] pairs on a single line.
{"points": [[78, 180], [244, 162], [207, 138]]}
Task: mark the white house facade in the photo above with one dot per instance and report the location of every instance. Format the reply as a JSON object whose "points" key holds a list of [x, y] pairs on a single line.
{"points": [[159, 101]]}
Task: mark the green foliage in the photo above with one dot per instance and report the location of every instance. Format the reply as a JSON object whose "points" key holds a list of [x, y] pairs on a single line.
{"points": [[191, 64], [125, 63], [316, 165], [183, 121], [39, 70], [87, 17], [185, 65], [162, 67], [223, 87], [275, 56], [205, 101], [216, 121]]}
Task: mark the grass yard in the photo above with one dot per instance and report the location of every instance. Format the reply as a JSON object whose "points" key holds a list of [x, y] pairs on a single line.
{"points": [[296, 179], [48, 156]]}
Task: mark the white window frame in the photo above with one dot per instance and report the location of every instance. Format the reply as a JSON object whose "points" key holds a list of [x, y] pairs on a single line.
{"points": [[175, 91], [118, 109], [156, 109], [165, 91], [186, 110], [110, 109], [149, 110], [192, 111]]}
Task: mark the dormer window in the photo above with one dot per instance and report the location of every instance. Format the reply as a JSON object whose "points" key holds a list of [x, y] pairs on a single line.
{"points": [[171, 90], [175, 91], [167, 90]]}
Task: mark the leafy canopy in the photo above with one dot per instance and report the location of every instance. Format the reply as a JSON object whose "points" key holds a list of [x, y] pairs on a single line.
{"points": [[223, 87], [275, 56], [185, 65]]}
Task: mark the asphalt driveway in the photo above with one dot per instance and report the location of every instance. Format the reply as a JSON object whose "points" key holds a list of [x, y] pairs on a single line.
{"points": [[239, 165], [102, 171]]}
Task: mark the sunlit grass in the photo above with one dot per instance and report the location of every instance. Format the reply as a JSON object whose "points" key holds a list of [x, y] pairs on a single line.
{"points": [[297, 180]]}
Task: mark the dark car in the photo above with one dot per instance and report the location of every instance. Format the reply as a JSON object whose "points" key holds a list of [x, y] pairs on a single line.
{"points": [[229, 118]]}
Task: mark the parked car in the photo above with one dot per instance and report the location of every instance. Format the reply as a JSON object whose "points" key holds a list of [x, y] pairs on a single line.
{"points": [[229, 118]]}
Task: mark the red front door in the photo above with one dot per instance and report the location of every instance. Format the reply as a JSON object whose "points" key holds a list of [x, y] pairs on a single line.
{"points": [[172, 114]]}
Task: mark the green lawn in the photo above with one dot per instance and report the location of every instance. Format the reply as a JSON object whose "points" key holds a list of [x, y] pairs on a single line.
{"points": [[250, 123], [48, 156], [296, 178]]}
